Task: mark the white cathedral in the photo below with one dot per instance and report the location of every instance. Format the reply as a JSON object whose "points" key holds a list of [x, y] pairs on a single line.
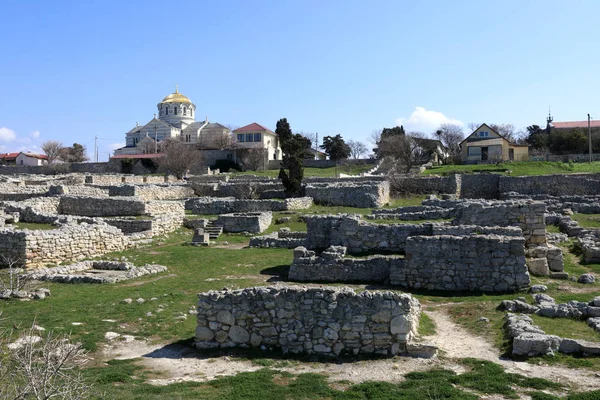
{"points": [[176, 119]]}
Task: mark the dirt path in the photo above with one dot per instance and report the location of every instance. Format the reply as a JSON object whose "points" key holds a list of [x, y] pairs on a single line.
{"points": [[457, 342], [177, 363]]}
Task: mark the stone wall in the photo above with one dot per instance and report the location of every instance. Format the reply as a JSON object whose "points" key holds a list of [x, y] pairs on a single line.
{"points": [[528, 215], [480, 186], [101, 207], [359, 236], [153, 192], [323, 321], [555, 185], [488, 263], [216, 205], [117, 206], [362, 195], [254, 222], [331, 266], [417, 184], [36, 248]]}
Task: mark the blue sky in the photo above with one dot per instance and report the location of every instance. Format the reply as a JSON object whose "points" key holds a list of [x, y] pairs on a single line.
{"points": [[72, 70]]}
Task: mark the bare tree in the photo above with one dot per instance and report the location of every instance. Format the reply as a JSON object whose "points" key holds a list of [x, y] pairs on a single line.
{"points": [[52, 149], [451, 135], [42, 368], [179, 157], [473, 126], [357, 149], [17, 280], [252, 158], [224, 141], [404, 150]]}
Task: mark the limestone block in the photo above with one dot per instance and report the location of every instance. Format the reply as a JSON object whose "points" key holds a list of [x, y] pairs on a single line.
{"points": [[538, 266]]}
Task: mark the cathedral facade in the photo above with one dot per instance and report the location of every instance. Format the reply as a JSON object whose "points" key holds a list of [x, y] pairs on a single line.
{"points": [[176, 119]]}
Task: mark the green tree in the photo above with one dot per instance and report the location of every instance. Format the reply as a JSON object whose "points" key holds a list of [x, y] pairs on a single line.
{"points": [[537, 137], [75, 153], [295, 150], [336, 148], [385, 134]]}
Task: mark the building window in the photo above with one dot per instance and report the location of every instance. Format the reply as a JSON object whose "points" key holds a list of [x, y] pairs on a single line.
{"points": [[257, 137], [175, 111], [167, 110], [474, 151], [249, 137], [241, 137], [188, 138], [484, 134], [184, 110]]}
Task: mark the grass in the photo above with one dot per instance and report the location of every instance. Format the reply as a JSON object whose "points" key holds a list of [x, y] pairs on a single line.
{"points": [[426, 325], [34, 226], [587, 220], [191, 270], [126, 380], [518, 168], [566, 328], [330, 172]]}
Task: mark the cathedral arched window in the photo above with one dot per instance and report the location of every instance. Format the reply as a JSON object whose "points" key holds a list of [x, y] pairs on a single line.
{"points": [[167, 110], [175, 110], [184, 110]]}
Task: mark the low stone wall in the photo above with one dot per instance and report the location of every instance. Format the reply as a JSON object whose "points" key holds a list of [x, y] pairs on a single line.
{"points": [[362, 195], [480, 186], [254, 222], [555, 185], [130, 225], [487, 263], [216, 205], [101, 207], [359, 236], [418, 184], [117, 179], [330, 266], [95, 272], [77, 190], [528, 215], [323, 321], [117, 206], [36, 248], [153, 192]]}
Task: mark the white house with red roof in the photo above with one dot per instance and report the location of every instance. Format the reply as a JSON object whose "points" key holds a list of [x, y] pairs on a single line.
{"points": [[256, 136], [23, 158]]}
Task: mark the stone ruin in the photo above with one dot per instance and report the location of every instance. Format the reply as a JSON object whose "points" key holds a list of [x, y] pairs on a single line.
{"points": [[530, 340], [322, 321], [95, 272]]}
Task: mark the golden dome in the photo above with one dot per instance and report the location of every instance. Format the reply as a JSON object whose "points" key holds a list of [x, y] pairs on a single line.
{"points": [[176, 98]]}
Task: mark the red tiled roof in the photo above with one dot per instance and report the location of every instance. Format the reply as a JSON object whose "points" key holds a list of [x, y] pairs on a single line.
{"points": [[38, 156], [575, 124], [151, 155], [9, 156], [253, 127]]}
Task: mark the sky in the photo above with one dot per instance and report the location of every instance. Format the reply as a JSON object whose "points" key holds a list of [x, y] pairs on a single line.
{"points": [[75, 70]]}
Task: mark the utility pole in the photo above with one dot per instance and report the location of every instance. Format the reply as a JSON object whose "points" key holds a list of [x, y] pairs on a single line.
{"points": [[590, 136], [96, 148], [316, 146]]}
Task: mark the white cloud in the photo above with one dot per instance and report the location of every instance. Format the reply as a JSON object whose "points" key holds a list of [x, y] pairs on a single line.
{"points": [[114, 146], [426, 121], [35, 134], [7, 135]]}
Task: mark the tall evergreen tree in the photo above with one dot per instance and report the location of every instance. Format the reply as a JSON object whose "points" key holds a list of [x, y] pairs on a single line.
{"points": [[294, 149]]}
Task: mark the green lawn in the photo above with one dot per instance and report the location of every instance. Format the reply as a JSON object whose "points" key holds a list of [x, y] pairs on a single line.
{"points": [[587, 220], [316, 172], [125, 380], [518, 168]]}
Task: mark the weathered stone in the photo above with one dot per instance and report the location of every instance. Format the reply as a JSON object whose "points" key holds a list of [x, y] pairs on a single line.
{"points": [[239, 334]]}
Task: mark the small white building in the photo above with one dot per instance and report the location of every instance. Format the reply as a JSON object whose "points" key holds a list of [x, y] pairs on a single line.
{"points": [[31, 159], [256, 136]]}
